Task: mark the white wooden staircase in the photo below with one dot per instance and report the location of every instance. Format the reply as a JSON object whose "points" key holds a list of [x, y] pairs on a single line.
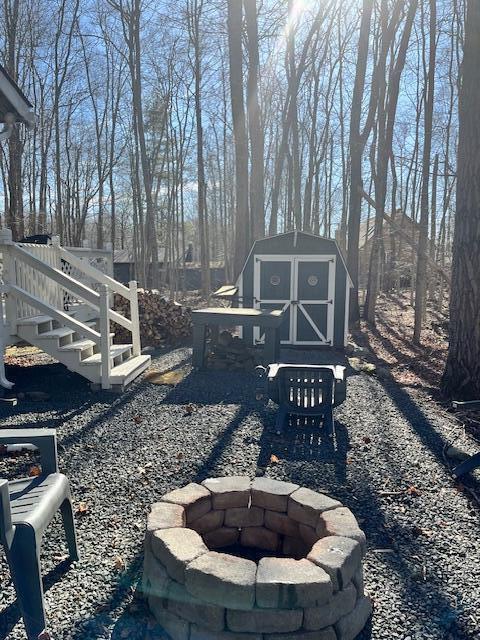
{"points": [[43, 304]]}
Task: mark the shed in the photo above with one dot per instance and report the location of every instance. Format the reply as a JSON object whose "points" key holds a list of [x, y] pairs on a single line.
{"points": [[306, 276]]}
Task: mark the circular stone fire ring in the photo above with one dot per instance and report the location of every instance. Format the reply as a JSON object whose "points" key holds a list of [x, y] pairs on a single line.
{"points": [[202, 584]]}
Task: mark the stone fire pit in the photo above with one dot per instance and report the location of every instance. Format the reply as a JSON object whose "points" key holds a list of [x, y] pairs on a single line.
{"points": [[233, 559]]}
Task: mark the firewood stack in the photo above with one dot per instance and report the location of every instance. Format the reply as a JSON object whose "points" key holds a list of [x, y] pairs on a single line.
{"points": [[162, 321], [230, 353]]}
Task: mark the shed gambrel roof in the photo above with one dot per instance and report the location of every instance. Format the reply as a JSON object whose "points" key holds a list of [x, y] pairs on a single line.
{"points": [[295, 234]]}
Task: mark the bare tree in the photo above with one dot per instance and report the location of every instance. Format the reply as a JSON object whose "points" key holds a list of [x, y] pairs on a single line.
{"points": [[194, 14], [255, 128], [461, 378], [421, 280], [242, 229], [357, 143]]}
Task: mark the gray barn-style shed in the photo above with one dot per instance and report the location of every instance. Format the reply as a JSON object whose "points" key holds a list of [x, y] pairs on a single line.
{"points": [[306, 276]]}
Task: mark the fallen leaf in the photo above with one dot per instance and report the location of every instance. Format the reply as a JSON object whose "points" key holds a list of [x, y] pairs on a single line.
{"points": [[119, 563], [189, 409], [35, 470], [137, 419], [413, 491], [179, 455], [274, 459], [82, 509], [420, 531], [367, 440], [61, 558]]}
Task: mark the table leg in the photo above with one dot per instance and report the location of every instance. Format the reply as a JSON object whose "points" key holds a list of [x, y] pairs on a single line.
{"points": [[199, 335], [214, 330], [270, 350], [276, 339]]}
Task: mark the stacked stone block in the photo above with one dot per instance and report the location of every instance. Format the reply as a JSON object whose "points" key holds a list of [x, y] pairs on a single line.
{"points": [[312, 589]]}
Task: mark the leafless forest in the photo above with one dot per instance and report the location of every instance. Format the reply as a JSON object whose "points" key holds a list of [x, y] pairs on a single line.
{"points": [[164, 123]]}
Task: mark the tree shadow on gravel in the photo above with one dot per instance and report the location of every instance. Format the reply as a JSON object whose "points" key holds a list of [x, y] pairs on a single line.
{"points": [[208, 466], [10, 615], [424, 597], [214, 387], [423, 428], [113, 611], [304, 444], [114, 403]]}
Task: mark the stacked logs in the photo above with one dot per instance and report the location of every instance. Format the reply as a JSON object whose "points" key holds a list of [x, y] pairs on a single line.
{"points": [[230, 352], [162, 321]]}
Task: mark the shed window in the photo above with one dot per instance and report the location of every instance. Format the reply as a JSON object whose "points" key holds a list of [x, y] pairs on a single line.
{"points": [[275, 280], [312, 280]]}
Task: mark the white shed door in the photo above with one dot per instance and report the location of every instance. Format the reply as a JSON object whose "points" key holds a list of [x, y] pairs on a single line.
{"points": [[304, 287], [314, 300]]}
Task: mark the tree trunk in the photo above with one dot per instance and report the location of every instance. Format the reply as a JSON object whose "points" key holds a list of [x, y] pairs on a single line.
{"points": [[421, 279], [257, 198], [387, 109], [242, 231], [461, 378], [144, 159], [356, 147]]}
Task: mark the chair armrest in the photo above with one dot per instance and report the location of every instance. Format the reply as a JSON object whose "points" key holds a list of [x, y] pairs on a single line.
{"points": [[5, 514], [44, 439]]}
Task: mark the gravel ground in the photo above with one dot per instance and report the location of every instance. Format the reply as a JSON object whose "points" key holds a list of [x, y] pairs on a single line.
{"points": [[122, 452]]}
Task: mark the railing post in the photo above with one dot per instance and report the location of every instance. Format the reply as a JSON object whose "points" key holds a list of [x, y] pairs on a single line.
{"points": [[105, 336], [6, 384], [135, 318], [60, 296], [9, 278]]}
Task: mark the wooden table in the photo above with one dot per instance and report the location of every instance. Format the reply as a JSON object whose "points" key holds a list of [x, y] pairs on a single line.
{"points": [[270, 321]]}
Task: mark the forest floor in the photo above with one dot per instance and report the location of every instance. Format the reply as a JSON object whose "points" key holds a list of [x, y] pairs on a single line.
{"points": [[391, 342], [389, 464], [392, 350]]}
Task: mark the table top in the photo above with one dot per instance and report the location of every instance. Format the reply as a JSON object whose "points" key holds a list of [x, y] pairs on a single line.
{"points": [[240, 315], [242, 312]]}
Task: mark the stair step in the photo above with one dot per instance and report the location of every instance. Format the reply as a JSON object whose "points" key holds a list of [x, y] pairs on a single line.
{"points": [[124, 373], [115, 351], [63, 332], [34, 320], [78, 345]]}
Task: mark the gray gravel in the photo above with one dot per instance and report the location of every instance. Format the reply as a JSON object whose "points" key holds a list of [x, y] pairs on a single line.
{"points": [[122, 452]]}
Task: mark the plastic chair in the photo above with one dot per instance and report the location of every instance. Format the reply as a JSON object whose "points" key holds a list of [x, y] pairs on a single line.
{"points": [[308, 392], [27, 506]]}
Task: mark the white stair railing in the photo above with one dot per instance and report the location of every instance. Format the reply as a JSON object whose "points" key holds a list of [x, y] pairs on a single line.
{"points": [[35, 284], [130, 293]]}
